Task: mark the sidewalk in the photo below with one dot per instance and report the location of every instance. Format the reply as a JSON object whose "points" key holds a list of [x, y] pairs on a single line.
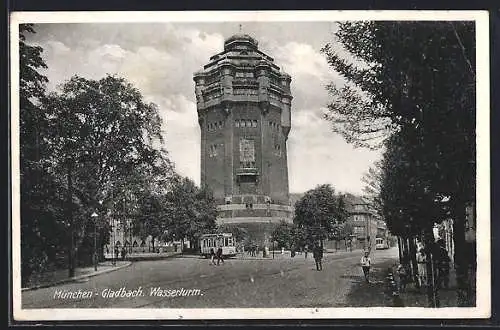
{"points": [[60, 276], [415, 297], [378, 293], [141, 256]]}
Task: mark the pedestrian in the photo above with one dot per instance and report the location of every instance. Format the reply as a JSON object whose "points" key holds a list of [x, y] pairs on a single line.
{"points": [[219, 255], [124, 252], [318, 255], [403, 277], [422, 267], [305, 252], [366, 263], [212, 256], [117, 252]]}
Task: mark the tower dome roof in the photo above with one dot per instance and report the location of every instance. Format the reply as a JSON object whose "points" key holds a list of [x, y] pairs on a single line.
{"points": [[240, 38]]}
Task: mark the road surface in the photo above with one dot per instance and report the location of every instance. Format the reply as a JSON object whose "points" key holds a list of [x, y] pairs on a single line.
{"points": [[191, 282]]}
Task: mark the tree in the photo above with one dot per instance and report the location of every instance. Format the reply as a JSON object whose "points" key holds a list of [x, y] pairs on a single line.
{"points": [[205, 215], [40, 191], [283, 235], [409, 205], [416, 79], [317, 212], [373, 181], [101, 132]]}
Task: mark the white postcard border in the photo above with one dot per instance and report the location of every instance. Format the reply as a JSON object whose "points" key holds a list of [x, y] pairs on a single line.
{"points": [[483, 308]]}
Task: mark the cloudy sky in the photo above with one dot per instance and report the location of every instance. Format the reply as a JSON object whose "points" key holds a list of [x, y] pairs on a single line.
{"points": [[160, 58]]}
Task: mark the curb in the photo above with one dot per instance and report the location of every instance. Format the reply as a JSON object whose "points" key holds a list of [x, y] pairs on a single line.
{"points": [[149, 258], [76, 278]]}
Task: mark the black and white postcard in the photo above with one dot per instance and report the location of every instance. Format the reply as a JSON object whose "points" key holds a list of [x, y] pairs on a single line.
{"points": [[250, 165]]}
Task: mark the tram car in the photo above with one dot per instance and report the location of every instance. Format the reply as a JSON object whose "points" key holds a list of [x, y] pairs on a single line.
{"points": [[381, 243], [213, 241]]}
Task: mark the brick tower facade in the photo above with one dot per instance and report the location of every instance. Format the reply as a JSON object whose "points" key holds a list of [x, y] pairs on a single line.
{"points": [[243, 104]]}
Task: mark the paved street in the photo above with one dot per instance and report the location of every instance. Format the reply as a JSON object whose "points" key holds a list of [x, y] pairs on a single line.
{"points": [[283, 282]]}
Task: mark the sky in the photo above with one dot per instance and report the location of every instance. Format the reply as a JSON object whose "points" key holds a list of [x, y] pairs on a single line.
{"points": [[160, 58]]}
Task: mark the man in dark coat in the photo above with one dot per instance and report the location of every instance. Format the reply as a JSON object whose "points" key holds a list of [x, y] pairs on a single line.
{"points": [[219, 255], [318, 255]]}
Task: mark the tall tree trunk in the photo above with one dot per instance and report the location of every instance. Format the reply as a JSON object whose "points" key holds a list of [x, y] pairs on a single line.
{"points": [[460, 253], [400, 249], [413, 258], [71, 254]]}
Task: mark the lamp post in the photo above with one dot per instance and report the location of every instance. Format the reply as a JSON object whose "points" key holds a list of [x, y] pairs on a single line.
{"points": [[94, 216], [113, 261]]}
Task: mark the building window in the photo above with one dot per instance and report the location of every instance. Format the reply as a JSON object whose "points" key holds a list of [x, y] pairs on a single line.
{"points": [[254, 123], [249, 123], [236, 123], [212, 152], [277, 150], [243, 123]]}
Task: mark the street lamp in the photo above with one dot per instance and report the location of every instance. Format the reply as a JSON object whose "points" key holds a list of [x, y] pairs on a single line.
{"points": [[113, 261], [94, 216]]}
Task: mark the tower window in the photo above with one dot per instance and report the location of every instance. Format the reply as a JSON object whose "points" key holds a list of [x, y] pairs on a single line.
{"points": [[236, 123], [277, 149], [254, 123], [243, 123], [249, 123], [212, 152]]}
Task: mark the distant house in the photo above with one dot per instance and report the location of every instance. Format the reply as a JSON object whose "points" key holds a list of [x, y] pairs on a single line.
{"points": [[365, 222]]}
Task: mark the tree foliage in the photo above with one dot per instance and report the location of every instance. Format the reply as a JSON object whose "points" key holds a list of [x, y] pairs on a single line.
{"points": [[418, 78], [410, 87], [40, 190], [317, 212], [185, 211], [90, 146], [283, 235]]}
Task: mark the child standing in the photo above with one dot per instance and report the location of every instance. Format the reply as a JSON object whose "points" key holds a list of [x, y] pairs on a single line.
{"points": [[365, 265]]}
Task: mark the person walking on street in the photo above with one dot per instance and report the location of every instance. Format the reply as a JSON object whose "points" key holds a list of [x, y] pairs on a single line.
{"points": [[212, 256], [117, 253], [124, 252], [366, 263], [422, 267], [318, 255], [305, 252], [219, 255], [403, 277]]}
